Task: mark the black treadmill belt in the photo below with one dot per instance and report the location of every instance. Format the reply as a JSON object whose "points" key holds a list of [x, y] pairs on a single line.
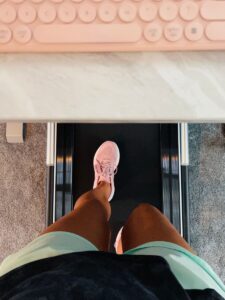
{"points": [[149, 170], [139, 174]]}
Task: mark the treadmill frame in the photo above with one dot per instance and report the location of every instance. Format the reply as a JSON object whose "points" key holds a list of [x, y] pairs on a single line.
{"points": [[174, 177]]}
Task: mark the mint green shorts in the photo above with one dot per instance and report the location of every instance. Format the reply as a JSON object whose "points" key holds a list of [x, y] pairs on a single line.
{"points": [[191, 271]]}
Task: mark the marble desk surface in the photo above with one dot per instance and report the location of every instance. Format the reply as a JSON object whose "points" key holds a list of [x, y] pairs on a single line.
{"points": [[188, 86]]}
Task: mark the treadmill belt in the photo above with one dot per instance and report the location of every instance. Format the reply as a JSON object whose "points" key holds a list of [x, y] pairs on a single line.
{"points": [[149, 170], [139, 174]]}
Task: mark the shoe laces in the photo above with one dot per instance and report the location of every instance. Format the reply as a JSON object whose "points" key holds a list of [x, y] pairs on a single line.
{"points": [[105, 168]]}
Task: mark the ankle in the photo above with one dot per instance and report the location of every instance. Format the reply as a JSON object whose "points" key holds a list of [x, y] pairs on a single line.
{"points": [[105, 187], [103, 183]]}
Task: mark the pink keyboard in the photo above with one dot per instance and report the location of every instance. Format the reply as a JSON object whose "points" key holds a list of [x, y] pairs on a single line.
{"points": [[111, 25]]}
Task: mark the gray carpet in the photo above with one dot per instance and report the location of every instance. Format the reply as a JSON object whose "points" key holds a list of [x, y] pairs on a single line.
{"points": [[207, 193], [22, 189]]}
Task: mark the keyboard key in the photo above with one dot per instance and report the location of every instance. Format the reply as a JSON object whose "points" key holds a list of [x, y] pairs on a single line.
{"points": [[127, 12], [26, 13], [77, 1], [107, 12], [66, 12], [213, 10], [189, 10], [5, 34], [168, 11], [147, 11], [93, 33], [17, 1], [87, 13], [194, 31], [153, 32], [173, 31], [37, 1], [22, 34], [47, 13], [215, 31], [7, 13]]}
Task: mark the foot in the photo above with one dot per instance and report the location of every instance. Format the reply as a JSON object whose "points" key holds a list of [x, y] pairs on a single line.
{"points": [[105, 162]]}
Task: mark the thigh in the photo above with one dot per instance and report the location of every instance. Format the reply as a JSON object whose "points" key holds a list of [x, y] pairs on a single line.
{"points": [[88, 222], [147, 224]]}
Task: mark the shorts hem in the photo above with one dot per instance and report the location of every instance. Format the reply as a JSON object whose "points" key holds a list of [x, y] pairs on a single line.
{"points": [[172, 246]]}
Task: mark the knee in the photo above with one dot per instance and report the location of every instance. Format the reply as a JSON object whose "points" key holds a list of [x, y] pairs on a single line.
{"points": [[143, 215], [145, 207]]}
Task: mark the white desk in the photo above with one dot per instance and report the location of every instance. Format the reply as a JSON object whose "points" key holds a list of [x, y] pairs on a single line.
{"points": [[113, 87]]}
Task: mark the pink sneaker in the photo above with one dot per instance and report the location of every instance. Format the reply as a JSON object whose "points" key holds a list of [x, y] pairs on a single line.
{"points": [[105, 163], [118, 243]]}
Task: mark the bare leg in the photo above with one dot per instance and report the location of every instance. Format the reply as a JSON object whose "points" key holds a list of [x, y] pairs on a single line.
{"points": [[89, 218], [147, 224]]}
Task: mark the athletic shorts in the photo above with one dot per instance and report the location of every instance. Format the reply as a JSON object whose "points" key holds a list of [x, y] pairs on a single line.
{"points": [[191, 271]]}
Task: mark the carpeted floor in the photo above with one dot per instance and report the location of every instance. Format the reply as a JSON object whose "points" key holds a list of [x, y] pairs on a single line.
{"points": [[207, 193], [22, 189]]}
